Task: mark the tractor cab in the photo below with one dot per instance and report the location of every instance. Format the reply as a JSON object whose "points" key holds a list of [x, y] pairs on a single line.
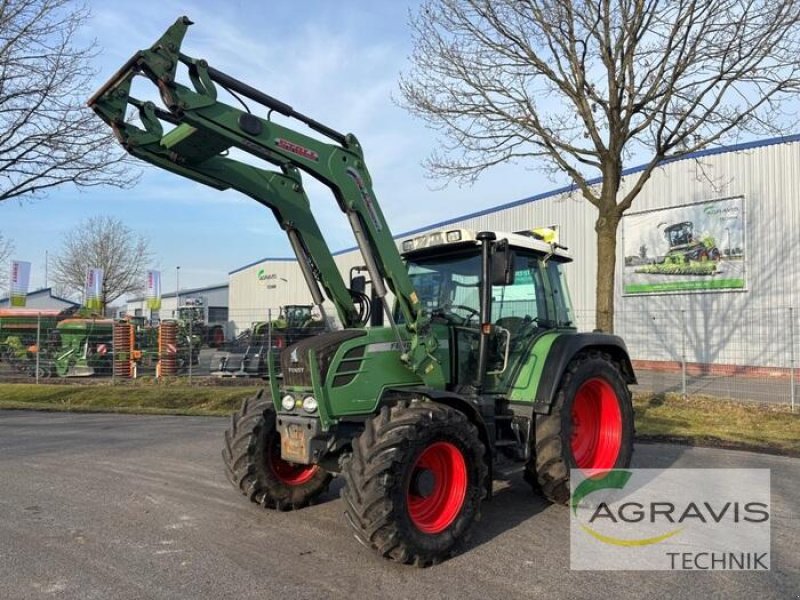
{"points": [[680, 234], [527, 298]]}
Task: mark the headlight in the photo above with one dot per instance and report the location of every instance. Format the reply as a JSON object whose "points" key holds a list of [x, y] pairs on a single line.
{"points": [[310, 404], [454, 236], [287, 402]]}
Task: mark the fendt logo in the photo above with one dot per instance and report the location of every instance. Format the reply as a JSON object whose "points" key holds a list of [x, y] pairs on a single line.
{"points": [[647, 519]]}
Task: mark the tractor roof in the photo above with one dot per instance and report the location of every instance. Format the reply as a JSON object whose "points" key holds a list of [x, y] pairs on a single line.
{"points": [[445, 238]]}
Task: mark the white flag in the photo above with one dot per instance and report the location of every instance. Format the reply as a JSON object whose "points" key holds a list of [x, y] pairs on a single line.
{"points": [[20, 279]]}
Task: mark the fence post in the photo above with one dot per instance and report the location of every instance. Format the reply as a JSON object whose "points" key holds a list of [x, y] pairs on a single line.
{"points": [[113, 353], [269, 343], [38, 342], [683, 355], [791, 355], [191, 355]]}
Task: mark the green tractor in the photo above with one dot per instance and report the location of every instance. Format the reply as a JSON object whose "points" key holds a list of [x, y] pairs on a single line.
{"points": [[684, 247], [296, 321], [478, 364]]}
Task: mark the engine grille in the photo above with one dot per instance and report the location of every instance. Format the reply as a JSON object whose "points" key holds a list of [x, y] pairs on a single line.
{"points": [[294, 359]]}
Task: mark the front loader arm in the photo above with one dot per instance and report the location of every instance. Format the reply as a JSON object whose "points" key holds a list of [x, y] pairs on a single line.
{"points": [[282, 193], [207, 127]]}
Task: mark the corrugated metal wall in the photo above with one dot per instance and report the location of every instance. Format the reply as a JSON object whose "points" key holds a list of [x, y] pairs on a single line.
{"points": [[743, 328]]}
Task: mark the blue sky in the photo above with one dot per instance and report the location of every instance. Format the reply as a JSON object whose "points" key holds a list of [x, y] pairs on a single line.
{"points": [[337, 62]]}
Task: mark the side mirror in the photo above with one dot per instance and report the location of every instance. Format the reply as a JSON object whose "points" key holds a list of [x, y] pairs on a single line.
{"points": [[503, 260], [358, 284]]}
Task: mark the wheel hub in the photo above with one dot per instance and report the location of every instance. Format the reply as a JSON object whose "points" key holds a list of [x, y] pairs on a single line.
{"points": [[423, 483], [437, 488], [288, 473], [596, 436]]}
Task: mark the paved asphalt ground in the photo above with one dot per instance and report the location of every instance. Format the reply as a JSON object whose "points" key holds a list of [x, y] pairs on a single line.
{"points": [[136, 507]]}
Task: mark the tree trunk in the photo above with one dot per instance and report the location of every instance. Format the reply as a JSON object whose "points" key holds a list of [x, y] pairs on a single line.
{"points": [[606, 228]]}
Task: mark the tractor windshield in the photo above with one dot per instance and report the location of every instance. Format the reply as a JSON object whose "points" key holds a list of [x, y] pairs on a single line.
{"points": [[448, 288]]}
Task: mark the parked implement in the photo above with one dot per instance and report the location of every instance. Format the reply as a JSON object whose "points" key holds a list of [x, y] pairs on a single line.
{"points": [[480, 363], [194, 317]]}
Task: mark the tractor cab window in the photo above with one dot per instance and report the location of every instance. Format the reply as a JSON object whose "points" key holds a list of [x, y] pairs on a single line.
{"points": [[562, 303], [521, 305], [448, 287], [449, 290]]}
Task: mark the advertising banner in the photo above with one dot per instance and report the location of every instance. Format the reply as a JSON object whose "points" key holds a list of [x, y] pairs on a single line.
{"points": [[153, 294], [94, 289], [20, 279], [696, 247]]}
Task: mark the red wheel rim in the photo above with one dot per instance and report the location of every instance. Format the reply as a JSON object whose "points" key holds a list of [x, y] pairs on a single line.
{"points": [[442, 466], [596, 426], [286, 472]]}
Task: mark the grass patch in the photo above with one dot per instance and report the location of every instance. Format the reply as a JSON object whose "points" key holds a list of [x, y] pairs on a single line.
{"points": [[143, 397], [702, 421], [708, 421]]}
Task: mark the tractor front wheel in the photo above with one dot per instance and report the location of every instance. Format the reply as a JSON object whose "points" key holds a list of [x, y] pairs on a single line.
{"points": [[253, 462], [415, 481], [590, 426]]}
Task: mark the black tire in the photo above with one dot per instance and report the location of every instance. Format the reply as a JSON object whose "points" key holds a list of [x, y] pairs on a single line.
{"points": [[549, 468], [379, 473], [250, 442]]}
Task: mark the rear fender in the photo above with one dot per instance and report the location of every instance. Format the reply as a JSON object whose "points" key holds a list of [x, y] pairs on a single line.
{"points": [[564, 350]]}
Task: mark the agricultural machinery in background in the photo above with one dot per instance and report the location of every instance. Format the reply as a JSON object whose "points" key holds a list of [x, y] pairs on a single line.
{"points": [[295, 322], [687, 254], [145, 345], [59, 344], [247, 355], [194, 318], [479, 370], [76, 343]]}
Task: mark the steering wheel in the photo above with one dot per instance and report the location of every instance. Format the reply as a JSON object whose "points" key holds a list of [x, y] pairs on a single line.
{"points": [[468, 309]]}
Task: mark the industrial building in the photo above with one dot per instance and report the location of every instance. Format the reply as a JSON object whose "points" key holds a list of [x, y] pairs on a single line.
{"points": [[734, 211], [42, 299], [213, 298]]}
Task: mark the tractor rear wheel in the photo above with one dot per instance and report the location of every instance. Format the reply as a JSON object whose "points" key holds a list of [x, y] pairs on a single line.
{"points": [[253, 462], [415, 481], [590, 426]]}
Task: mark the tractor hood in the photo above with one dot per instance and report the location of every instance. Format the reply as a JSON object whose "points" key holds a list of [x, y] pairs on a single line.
{"points": [[295, 358]]}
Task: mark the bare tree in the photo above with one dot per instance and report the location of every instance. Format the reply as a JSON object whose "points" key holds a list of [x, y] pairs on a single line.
{"points": [[103, 243], [583, 87], [47, 136], [6, 248]]}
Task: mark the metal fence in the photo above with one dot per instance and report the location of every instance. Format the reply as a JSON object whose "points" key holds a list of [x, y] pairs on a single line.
{"points": [[747, 356], [752, 357]]}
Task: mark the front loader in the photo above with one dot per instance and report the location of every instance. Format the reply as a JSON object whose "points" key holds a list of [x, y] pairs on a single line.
{"points": [[479, 363]]}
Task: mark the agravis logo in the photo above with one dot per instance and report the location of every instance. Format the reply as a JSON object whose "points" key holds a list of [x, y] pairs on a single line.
{"points": [[648, 518], [612, 480]]}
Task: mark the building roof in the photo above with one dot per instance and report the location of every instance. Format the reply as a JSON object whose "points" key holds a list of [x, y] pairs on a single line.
{"points": [[185, 292], [42, 292], [787, 139]]}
